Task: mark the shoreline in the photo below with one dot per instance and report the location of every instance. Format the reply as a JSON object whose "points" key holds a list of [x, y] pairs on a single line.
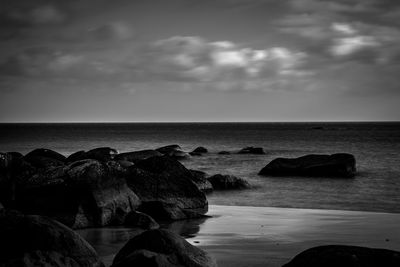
{"points": [[265, 236]]}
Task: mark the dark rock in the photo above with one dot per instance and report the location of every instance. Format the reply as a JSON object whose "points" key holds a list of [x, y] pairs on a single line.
{"points": [[200, 149], [166, 150], [195, 154], [46, 153], [140, 219], [336, 165], [136, 156], [346, 256], [252, 150], [83, 194], [125, 163], [43, 162], [101, 154], [200, 179], [80, 155], [32, 240], [224, 153], [228, 182], [166, 189], [161, 248]]}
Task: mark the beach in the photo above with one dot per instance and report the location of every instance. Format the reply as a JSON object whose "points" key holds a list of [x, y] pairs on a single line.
{"points": [[262, 236]]}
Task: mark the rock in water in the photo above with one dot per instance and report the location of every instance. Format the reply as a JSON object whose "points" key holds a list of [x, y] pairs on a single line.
{"points": [[32, 240], [83, 194], [336, 165], [136, 156], [227, 182], [252, 150], [200, 179], [174, 151], [200, 149], [346, 256], [166, 189], [140, 219], [158, 248]]}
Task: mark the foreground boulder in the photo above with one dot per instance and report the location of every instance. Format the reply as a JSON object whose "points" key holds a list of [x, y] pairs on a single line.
{"points": [[83, 194], [32, 240], [336, 165], [136, 156], [166, 189], [227, 182], [252, 150], [44, 158], [346, 256], [158, 248], [47, 153]]}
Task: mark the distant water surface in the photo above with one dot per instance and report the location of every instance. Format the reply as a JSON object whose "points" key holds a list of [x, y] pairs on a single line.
{"points": [[376, 146]]}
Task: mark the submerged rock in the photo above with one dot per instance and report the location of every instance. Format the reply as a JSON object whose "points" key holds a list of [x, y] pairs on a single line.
{"points": [[227, 182], [252, 150], [32, 240], [166, 189], [161, 248], [336, 165], [347, 256]]}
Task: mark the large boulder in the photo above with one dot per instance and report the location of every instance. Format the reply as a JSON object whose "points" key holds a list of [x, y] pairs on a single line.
{"points": [[79, 155], [200, 179], [102, 154], [174, 151], [158, 248], [336, 165], [252, 150], [166, 189], [32, 240], [227, 182], [44, 158], [83, 194], [136, 156], [346, 256]]}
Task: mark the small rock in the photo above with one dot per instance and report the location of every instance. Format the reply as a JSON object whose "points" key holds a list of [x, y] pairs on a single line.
{"points": [[228, 182]]}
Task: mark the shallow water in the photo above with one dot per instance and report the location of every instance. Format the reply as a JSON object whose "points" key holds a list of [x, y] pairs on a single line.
{"points": [[376, 147]]}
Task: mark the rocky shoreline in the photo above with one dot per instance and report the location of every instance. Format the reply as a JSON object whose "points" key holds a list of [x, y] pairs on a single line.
{"points": [[45, 194]]}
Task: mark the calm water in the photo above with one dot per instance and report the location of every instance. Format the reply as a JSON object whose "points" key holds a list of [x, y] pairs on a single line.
{"points": [[376, 147]]}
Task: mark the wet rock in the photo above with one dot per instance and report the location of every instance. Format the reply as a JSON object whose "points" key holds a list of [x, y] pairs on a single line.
{"points": [[161, 248], [79, 155], [140, 219], [101, 154], [200, 179], [32, 240], [336, 165], [200, 149], [252, 150], [347, 256], [136, 156], [46, 153], [174, 151], [228, 182], [224, 153], [166, 189]]}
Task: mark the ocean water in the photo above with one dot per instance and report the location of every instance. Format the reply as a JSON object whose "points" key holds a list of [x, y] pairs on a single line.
{"points": [[376, 146]]}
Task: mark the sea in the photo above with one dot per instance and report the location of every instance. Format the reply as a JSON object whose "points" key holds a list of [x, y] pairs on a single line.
{"points": [[375, 145]]}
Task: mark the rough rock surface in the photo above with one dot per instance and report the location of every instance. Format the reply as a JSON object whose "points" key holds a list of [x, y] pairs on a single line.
{"points": [[227, 182], [166, 189], [140, 219], [336, 165], [200, 179], [32, 240], [161, 248], [136, 156], [200, 149], [346, 256]]}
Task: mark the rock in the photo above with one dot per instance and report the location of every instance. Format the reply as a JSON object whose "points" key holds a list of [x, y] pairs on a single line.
{"points": [[166, 150], [80, 155], [195, 154], [200, 149], [228, 182], [336, 165], [125, 163], [46, 153], [179, 155], [83, 194], [224, 153], [136, 156], [348, 256], [161, 248], [166, 189], [32, 240], [140, 219], [200, 179], [101, 154], [252, 150]]}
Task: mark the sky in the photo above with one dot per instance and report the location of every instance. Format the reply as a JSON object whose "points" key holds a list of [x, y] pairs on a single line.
{"points": [[187, 60]]}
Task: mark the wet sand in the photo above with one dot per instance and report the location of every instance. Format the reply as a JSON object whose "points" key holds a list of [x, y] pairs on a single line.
{"points": [[260, 236]]}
